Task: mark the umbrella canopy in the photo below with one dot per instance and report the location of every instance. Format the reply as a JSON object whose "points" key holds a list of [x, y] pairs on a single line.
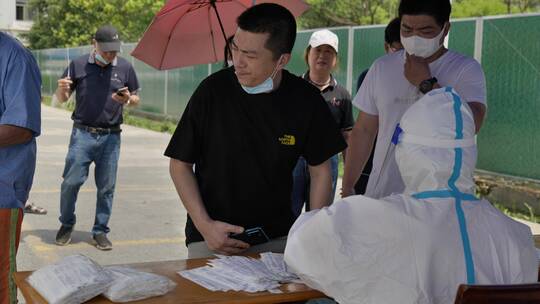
{"points": [[190, 32]]}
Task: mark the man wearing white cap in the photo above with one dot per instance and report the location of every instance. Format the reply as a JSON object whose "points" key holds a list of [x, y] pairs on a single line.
{"points": [[416, 247], [105, 84], [321, 58]]}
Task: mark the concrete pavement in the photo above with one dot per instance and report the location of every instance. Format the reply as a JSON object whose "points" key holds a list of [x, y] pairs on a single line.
{"points": [[148, 219]]}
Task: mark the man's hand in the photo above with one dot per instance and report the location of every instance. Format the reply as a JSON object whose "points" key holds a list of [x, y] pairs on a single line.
{"points": [[122, 98], [64, 89], [416, 69], [216, 235]]}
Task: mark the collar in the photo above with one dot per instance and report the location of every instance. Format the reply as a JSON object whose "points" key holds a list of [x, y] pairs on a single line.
{"points": [[91, 59], [333, 82]]}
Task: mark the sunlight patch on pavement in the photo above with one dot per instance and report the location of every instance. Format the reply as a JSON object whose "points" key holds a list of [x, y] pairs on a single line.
{"points": [[48, 248], [132, 188]]}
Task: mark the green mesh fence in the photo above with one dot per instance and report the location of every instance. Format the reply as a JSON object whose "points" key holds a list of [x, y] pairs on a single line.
{"points": [[508, 142], [368, 46], [461, 38]]}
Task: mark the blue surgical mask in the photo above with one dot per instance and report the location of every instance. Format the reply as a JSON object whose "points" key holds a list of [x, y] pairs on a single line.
{"points": [[265, 87], [100, 58]]}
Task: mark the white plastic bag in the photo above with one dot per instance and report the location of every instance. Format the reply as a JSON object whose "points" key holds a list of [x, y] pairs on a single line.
{"points": [[72, 280], [132, 285]]}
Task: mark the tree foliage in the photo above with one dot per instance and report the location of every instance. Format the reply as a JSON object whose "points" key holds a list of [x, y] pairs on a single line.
{"points": [[68, 23], [325, 13]]}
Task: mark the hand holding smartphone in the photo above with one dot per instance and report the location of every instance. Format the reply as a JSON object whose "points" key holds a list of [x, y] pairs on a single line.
{"points": [[121, 92], [252, 236]]}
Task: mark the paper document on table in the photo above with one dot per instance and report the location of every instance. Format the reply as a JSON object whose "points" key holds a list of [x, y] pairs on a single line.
{"points": [[240, 273], [74, 279]]}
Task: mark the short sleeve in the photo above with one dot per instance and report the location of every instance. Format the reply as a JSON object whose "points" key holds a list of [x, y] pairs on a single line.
{"points": [[185, 144], [132, 81], [365, 99], [324, 139], [472, 83], [21, 92]]}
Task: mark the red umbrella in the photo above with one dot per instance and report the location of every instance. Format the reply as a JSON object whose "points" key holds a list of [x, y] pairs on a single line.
{"points": [[189, 32]]}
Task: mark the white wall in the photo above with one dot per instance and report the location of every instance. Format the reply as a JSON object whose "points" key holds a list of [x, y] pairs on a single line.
{"points": [[8, 22], [7, 14]]}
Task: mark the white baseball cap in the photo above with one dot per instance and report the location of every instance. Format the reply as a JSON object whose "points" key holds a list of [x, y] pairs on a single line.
{"points": [[321, 37]]}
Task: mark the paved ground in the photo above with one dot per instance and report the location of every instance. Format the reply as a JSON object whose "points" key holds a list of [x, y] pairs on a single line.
{"points": [[147, 220]]}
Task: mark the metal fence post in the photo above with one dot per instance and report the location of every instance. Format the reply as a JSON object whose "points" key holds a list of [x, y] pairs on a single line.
{"points": [[350, 58], [478, 39]]}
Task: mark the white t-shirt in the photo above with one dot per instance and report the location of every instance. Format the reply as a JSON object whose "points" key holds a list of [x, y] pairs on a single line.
{"points": [[387, 93]]}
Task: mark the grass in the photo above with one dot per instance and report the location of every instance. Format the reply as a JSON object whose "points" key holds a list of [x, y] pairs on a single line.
{"points": [[530, 216], [163, 125]]}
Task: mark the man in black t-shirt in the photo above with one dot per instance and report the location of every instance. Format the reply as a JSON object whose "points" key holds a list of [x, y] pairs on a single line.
{"points": [[244, 128]]}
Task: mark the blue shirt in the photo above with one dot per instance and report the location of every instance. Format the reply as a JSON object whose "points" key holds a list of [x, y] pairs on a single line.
{"points": [[20, 105], [94, 86]]}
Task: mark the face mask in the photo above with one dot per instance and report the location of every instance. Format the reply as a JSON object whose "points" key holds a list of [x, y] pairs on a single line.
{"points": [[422, 47], [100, 58], [266, 86]]}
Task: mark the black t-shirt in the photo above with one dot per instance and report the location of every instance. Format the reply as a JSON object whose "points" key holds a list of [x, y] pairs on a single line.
{"points": [[245, 147], [94, 86], [339, 103]]}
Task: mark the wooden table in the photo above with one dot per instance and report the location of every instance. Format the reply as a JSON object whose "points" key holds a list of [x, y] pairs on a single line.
{"points": [[187, 291]]}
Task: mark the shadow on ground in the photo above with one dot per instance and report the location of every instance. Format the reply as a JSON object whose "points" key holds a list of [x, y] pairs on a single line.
{"points": [[48, 236]]}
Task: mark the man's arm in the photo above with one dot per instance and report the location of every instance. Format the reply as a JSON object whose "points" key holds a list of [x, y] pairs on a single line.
{"points": [[360, 145], [215, 233], [346, 136], [479, 112], [320, 185], [12, 135]]}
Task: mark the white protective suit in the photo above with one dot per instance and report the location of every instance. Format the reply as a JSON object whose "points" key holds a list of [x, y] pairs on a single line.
{"points": [[415, 247]]}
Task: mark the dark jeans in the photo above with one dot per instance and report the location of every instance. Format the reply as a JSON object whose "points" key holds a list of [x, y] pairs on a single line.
{"points": [[85, 148]]}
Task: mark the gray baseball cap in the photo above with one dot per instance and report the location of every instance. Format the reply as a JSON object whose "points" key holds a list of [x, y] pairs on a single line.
{"points": [[107, 39]]}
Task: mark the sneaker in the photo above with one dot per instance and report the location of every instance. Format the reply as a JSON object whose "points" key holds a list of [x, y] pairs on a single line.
{"points": [[63, 237], [102, 242]]}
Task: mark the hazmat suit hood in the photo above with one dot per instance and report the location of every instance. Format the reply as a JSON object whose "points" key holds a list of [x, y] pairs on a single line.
{"points": [[435, 129]]}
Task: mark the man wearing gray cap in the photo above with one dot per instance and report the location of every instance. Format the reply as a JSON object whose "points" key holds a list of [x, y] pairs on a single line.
{"points": [[104, 84]]}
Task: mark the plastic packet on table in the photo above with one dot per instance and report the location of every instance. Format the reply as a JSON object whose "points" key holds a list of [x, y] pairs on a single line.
{"points": [[72, 280], [131, 285]]}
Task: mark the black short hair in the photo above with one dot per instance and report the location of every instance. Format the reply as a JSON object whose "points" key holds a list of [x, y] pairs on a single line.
{"points": [[438, 9], [392, 31], [273, 19]]}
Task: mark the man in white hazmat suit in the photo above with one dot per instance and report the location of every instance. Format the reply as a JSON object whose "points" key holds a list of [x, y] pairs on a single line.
{"points": [[415, 247]]}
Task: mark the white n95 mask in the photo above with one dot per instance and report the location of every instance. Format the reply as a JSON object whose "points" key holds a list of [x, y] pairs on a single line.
{"points": [[422, 47]]}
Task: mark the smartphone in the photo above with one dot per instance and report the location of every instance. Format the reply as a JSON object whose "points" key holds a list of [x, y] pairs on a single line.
{"points": [[252, 236], [120, 92]]}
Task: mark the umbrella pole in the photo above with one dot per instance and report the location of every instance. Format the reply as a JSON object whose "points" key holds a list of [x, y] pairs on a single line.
{"points": [[213, 3]]}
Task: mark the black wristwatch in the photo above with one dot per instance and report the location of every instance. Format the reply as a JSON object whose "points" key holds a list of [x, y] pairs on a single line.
{"points": [[427, 85]]}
